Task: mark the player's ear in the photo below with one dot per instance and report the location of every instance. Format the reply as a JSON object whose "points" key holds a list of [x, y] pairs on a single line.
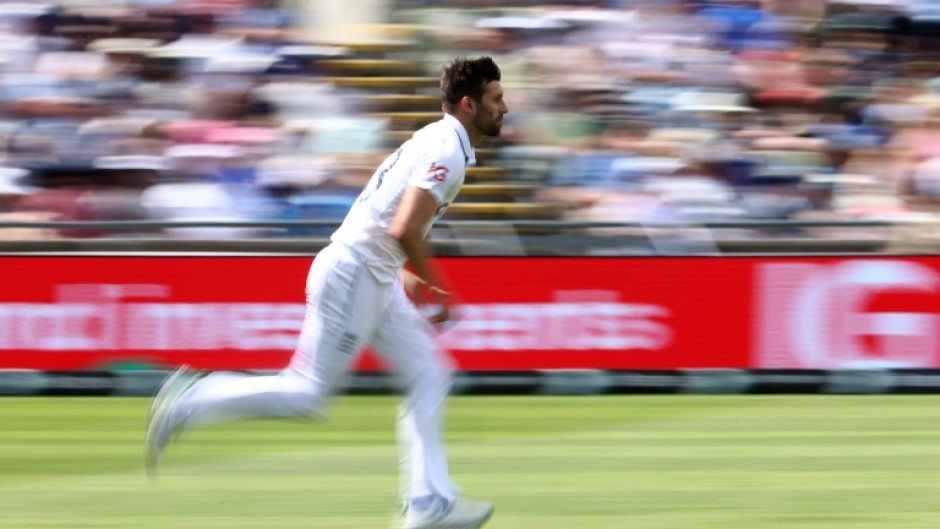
{"points": [[466, 104]]}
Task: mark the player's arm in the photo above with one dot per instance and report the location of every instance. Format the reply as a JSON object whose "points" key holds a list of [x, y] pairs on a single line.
{"points": [[415, 211]]}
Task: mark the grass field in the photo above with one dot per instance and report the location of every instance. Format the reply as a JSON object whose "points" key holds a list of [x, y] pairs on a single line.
{"points": [[645, 462]]}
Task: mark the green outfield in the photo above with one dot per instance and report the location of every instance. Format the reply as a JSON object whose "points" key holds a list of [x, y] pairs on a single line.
{"points": [[614, 462]]}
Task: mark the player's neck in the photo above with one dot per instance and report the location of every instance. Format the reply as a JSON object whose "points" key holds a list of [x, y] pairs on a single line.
{"points": [[474, 135]]}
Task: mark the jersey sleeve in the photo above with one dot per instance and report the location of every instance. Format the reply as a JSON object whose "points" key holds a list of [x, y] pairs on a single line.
{"points": [[438, 173]]}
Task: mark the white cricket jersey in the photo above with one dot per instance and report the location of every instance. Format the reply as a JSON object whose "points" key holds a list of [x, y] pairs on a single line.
{"points": [[435, 159]]}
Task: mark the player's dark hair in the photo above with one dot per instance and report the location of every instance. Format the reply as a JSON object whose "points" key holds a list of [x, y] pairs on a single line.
{"points": [[467, 77]]}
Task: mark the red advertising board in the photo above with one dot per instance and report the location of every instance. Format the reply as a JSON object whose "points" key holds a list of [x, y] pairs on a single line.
{"points": [[516, 313]]}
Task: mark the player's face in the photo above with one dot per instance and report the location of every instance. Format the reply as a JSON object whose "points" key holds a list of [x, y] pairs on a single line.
{"points": [[488, 117]]}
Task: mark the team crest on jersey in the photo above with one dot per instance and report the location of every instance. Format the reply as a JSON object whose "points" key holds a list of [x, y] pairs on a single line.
{"points": [[438, 173]]}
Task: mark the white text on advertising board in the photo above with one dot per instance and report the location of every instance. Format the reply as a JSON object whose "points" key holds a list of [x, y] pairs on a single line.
{"points": [[90, 317]]}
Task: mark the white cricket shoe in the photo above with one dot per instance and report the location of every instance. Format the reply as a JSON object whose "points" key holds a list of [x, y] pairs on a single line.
{"points": [[161, 425], [460, 514]]}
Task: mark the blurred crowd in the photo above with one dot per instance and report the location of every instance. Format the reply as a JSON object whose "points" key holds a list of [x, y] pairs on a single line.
{"points": [[631, 110]]}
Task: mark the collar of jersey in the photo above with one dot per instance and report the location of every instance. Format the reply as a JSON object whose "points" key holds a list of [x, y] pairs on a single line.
{"points": [[468, 153]]}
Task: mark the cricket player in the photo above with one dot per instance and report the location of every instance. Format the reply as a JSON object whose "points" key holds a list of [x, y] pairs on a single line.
{"points": [[359, 293]]}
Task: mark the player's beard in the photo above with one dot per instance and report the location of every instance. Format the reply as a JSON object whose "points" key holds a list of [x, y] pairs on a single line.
{"points": [[489, 127]]}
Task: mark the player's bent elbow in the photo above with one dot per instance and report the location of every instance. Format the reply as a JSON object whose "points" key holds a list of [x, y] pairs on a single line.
{"points": [[396, 232], [403, 235]]}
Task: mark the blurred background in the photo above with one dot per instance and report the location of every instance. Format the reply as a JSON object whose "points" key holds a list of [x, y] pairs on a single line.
{"points": [[635, 126], [171, 129]]}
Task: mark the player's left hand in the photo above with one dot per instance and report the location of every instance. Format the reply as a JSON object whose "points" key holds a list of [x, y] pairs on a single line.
{"points": [[441, 300], [414, 286], [434, 302]]}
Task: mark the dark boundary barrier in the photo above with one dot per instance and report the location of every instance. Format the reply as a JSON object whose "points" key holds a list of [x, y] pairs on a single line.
{"points": [[500, 237], [24, 382]]}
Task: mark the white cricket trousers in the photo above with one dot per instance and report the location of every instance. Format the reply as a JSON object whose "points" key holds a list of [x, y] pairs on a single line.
{"points": [[346, 309]]}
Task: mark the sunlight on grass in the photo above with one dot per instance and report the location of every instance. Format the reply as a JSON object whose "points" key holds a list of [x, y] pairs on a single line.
{"points": [[652, 462]]}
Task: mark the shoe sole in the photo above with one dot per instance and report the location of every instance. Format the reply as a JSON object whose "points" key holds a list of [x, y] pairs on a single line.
{"points": [[476, 525], [484, 520], [159, 407]]}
